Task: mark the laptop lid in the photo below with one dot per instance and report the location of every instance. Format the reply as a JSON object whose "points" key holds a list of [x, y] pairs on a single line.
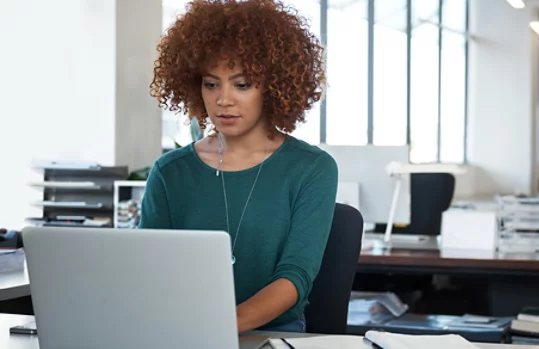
{"points": [[100, 288]]}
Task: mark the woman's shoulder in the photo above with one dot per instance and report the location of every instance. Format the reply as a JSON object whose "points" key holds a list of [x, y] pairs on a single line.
{"points": [[311, 153], [173, 156], [299, 145]]}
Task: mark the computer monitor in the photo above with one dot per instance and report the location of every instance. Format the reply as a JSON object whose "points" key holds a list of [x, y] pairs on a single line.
{"points": [[367, 166]]}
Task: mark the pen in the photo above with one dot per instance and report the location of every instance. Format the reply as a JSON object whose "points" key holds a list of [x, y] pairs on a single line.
{"points": [[290, 346], [371, 343]]}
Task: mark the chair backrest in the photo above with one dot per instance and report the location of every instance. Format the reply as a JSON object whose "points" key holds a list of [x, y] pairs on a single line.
{"points": [[327, 311], [431, 194]]}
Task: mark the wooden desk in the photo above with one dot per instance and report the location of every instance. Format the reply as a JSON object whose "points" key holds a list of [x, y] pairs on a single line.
{"points": [[449, 262], [508, 274], [512, 279], [8, 341]]}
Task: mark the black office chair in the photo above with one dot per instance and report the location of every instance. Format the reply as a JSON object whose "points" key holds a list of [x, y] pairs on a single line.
{"points": [[430, 195], [327, 311]]}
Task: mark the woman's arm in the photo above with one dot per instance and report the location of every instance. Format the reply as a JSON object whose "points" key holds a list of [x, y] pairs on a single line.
{"points": [[312, 216], [266, 305]]}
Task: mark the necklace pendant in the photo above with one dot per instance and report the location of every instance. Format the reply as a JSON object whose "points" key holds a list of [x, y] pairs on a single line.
{"points": [[217, 173]]}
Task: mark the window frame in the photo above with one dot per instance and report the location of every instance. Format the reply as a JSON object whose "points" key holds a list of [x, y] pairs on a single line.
{"points": [[371, 43]]}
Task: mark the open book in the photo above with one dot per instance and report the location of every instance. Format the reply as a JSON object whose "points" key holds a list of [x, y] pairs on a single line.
{"points": [[382, 340]]}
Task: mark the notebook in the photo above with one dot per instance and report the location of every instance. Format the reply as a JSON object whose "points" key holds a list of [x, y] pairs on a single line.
{"points": [[384, 340], [321, 342], [529, 314], [388, 340]]}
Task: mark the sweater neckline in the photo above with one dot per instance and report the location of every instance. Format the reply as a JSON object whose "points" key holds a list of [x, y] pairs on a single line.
{"points": [[247, 170]]}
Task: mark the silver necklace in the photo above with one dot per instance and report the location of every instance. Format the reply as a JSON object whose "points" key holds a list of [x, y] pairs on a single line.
{"points": [[220, 170]]}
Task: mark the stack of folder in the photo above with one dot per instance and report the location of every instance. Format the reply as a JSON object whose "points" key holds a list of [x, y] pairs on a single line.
{"points": [[525, 328]]}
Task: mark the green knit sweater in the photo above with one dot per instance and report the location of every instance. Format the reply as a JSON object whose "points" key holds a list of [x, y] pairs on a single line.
{"points": [[285, 227]]}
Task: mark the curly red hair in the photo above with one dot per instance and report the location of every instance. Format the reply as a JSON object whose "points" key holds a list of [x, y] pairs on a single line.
{"points": [[271, 42]]}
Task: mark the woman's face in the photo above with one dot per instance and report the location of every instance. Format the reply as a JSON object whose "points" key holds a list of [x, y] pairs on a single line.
{"points": [[233, 104]]}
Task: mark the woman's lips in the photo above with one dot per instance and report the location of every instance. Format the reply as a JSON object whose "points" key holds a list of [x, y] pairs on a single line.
{"points": [[228, 119]]}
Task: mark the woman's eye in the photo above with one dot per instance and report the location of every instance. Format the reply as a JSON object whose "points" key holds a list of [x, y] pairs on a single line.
{"points": [[243, 86], [209, 85]]}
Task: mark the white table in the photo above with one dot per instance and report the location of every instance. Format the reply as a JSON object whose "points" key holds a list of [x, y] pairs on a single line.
{"points": [[8, 341]]}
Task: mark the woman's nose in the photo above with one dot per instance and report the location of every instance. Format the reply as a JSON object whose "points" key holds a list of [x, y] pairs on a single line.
{"points": [[225, 97]]}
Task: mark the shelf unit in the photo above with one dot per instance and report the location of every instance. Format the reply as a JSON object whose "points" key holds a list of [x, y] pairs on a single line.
{"points": [[127, 202], [71, 194]]}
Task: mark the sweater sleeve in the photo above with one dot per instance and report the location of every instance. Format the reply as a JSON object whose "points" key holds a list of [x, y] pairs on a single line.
{"points": [[312, 216], [155, 209]]}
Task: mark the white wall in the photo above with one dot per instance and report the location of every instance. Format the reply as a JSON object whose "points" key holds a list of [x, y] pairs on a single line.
{"points": [[74, 77], [138, 119], [502, 101]]}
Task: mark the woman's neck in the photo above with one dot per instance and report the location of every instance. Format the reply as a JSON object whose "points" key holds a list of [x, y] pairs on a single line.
{"points": [[250, 143]]}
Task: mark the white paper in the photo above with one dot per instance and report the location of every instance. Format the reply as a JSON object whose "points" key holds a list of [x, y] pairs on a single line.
{"points": [[383, 339], [404, 341], [322, 342]]}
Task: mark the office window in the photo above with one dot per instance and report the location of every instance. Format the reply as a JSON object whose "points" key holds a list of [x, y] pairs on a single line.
{"points": [[347, 69], [389, 72], [452, 98], [310, 130], [453, 81], [424, 81], [396, 75]]}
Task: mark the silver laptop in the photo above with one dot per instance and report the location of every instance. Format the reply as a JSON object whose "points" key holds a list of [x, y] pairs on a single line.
{"points": [[97, 288]]}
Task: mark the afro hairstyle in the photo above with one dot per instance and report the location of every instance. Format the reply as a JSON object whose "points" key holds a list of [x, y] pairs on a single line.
{"points": [[271, 41]]}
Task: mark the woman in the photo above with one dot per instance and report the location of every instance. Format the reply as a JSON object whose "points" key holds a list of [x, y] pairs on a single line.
{"points": [[252, 68]]}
